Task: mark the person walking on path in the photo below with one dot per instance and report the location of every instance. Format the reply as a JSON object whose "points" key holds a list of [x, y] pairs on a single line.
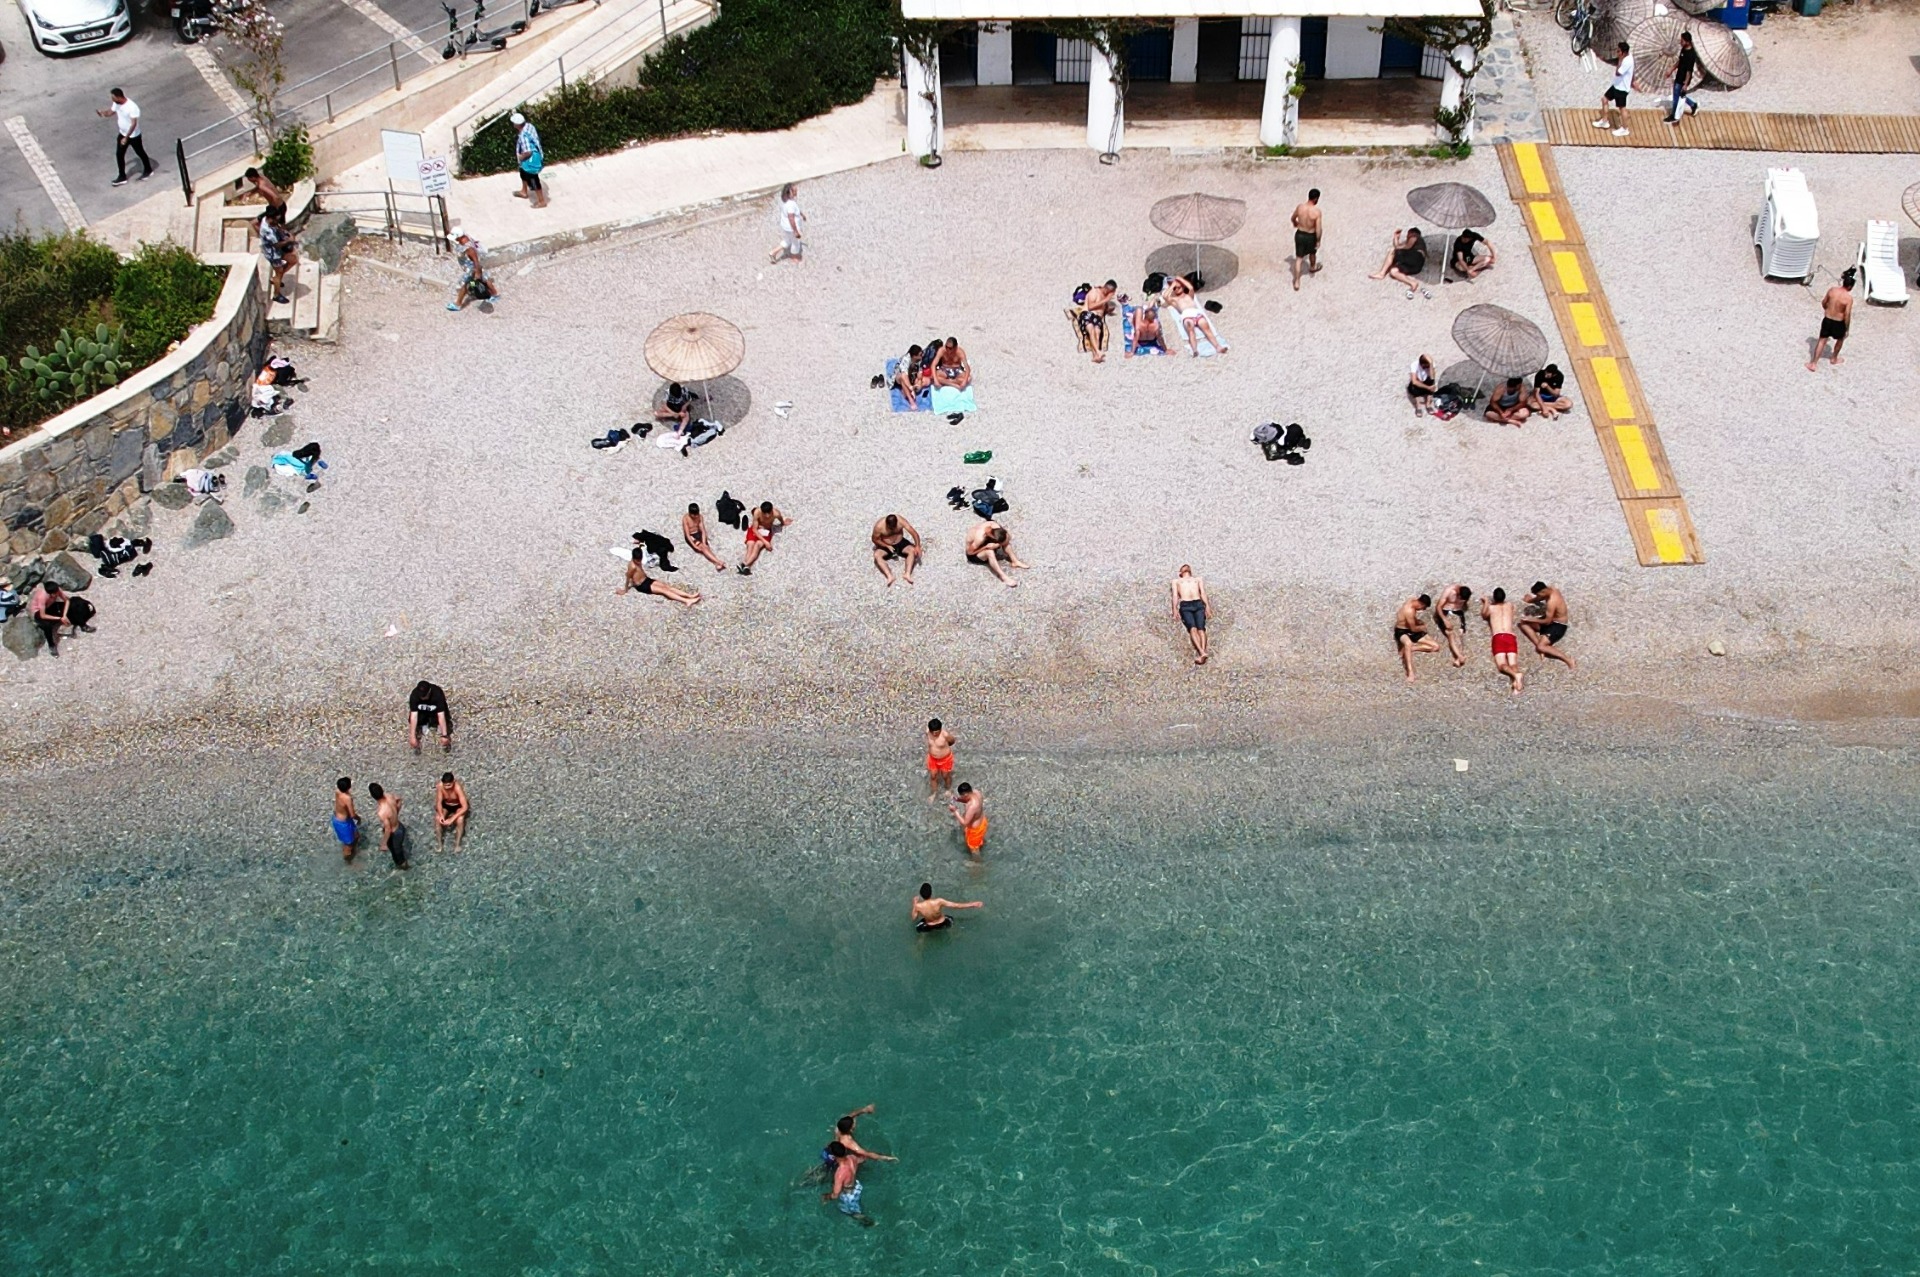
{"points": [[346, 818], [791, 221], [1686, 78], [1613, 106], [1190, 609], [526, 149], [1836, 317], [939, 758], [474, 284], [126, 119], [969, 808], [1306, 237]]}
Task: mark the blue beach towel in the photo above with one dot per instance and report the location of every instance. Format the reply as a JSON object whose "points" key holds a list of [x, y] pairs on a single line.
{"points": [[947, 399], [1126, 334], [898, 400]]}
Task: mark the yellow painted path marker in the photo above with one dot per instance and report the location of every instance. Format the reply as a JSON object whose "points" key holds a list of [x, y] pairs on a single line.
{"points": [[1573, 281], [1633, 450], [1546, 221], [1664, 524], [1613, 388], [1586, 324], [1532, 173]]}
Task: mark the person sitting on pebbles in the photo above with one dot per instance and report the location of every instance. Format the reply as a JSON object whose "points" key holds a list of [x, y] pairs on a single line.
{"points": [[1405, 261], [637, 579], [1508, 406], [1473, 255], [990, 544]]}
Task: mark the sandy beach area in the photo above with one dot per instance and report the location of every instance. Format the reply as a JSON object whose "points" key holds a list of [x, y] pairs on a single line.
{"points": [[462, 532]]}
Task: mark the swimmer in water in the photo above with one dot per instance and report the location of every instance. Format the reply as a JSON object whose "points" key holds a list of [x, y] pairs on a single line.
{"points": [[846, 1187], [929, 912], [346, 821], [969, 810]]}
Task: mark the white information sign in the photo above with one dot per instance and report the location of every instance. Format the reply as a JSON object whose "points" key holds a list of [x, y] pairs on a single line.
{"points": [[403, 152], [435, 178]]}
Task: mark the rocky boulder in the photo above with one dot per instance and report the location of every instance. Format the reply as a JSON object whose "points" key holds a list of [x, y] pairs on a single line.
{"points": [[22, 637], [211, 524]]}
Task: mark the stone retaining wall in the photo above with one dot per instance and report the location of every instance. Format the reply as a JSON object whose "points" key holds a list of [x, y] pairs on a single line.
{"points": [[90, 463]]}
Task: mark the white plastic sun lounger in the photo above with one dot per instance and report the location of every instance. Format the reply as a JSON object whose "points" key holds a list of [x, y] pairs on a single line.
{"points": [[1879, 263]]}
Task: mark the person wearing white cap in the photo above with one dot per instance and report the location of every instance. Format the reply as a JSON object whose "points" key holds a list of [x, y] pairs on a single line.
{"points": [[474, 284], [526, 149]]}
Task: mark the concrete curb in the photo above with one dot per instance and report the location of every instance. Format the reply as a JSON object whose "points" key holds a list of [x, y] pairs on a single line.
{"points": [[547, 245]]}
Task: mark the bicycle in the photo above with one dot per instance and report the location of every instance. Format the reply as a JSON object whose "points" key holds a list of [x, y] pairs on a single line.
{"points": [[1578, 18]]}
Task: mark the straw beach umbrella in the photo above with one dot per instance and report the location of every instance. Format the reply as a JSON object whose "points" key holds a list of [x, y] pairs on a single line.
{"points": [[1721, 56], [1452, 205], [1199, 219], [1500, 342], [695, 347], [1656, 51]]}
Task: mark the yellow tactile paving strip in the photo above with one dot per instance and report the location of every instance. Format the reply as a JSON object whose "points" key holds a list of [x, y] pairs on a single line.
{"points": [[1657, 518]]}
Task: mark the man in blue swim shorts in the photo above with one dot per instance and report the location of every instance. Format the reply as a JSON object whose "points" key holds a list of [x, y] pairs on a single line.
{"points": [[846, 1188], [346, 821]]}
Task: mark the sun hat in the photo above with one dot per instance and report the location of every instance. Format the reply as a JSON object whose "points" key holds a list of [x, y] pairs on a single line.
{"points": [[517, 118]]}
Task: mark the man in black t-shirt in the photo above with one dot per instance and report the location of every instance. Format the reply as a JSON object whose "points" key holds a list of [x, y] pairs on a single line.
{"points": [[1686, 78], [427, 711]]}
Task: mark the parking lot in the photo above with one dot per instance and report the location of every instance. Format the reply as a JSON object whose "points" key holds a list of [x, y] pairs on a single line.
{"points": [[54, 99]]}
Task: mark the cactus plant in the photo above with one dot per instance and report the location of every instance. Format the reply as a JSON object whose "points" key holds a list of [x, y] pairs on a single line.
{"points": [[75, 368]]}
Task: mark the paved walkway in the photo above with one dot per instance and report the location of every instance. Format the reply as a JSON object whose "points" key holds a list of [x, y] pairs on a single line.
{"points": [[1649, 495], [596, 197], [1505, 106], [1744, 131]]}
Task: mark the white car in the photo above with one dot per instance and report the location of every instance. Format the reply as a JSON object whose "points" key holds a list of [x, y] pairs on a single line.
{"points": [[70, 26]]}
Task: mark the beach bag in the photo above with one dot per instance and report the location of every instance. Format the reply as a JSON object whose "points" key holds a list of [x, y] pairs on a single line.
{"points": [[1154, 283], [283, 371], [1269, 433], [479, 289], [988, 501], [730, 510]]}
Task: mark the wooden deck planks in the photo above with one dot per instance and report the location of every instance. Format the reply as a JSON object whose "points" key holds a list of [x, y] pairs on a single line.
{"points": [[1741, 131]]}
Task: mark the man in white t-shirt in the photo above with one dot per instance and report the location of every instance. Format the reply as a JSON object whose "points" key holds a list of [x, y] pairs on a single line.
{"points": [[126, 118], [791, 221], [1613, 106]]}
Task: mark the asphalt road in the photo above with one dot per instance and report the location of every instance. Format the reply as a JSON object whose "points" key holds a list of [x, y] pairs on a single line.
{"points": [[57, 97]]}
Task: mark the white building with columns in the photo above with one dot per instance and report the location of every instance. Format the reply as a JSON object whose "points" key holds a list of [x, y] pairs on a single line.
{"points": [[1191, 41]]}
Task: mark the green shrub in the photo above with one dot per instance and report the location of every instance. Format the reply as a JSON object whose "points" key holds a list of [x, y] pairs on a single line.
{"points": [[760, 65], [160, 294], [289, 159], [53, 286]]}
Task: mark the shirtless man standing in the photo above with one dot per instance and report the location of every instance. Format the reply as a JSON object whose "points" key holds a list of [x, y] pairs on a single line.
{"points": [[989, 543], [693, 530], [1190, 609], [1498, 614], [450, 810], [393, 834], [1451, 612], [1551, 627], [346, 820], [969, 810], [928, 912], [939, 758], [760, 529], [895, 538], [1306, 237], [950, 366], [1410, 632], [1836, 316]]}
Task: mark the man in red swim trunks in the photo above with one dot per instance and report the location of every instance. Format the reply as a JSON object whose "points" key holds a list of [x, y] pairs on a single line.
{"points": [[1498, 614], [939, 759], [760, 529]]}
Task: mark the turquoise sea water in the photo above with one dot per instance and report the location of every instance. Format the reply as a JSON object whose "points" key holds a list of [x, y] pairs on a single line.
{"points": [[1645, 1010]]}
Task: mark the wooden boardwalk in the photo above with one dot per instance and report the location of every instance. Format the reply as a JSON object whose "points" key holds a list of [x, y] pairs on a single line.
{"points": [[1742, 131], [1649, 495]]}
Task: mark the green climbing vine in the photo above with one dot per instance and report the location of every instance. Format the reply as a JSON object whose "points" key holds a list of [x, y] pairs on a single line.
{"points": [[920, 39], [1448, 35]]}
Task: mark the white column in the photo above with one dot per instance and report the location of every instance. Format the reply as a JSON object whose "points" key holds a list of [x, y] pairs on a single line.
{"points": [[1186, 51], [923, 116], [996, 54], [1452, 86], [1279, 109], [1105, 115]]}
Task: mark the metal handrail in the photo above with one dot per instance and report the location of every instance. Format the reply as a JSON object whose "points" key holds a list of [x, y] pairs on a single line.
{"points": [[387, 60], [392, 207], [520, 93]]}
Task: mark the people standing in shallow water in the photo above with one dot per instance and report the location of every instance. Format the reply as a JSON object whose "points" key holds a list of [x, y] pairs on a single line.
{"points": [[393, 834], [929, 912], [939, 758], [969, 810], [346, 820], [845, 1190], [450, 810]]}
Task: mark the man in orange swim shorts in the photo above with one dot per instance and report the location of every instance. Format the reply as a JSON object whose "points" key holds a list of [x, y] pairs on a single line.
{"points": [[970, 812], [939, 759]]}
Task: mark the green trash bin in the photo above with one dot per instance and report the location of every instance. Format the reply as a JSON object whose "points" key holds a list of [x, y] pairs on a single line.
{"points": [[1808, 8]]}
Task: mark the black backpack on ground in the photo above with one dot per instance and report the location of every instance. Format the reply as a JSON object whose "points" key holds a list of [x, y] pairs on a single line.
{"points": [[1288, 443]]}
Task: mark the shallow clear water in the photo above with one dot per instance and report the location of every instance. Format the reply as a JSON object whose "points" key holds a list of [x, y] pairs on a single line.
{"points": [[1321, 1010]]}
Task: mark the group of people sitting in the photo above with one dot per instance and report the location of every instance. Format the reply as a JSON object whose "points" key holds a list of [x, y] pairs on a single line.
{"points": [[1470, 256], [1511, 405], [1541, 616], [1096, 306], [924, 368]]}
